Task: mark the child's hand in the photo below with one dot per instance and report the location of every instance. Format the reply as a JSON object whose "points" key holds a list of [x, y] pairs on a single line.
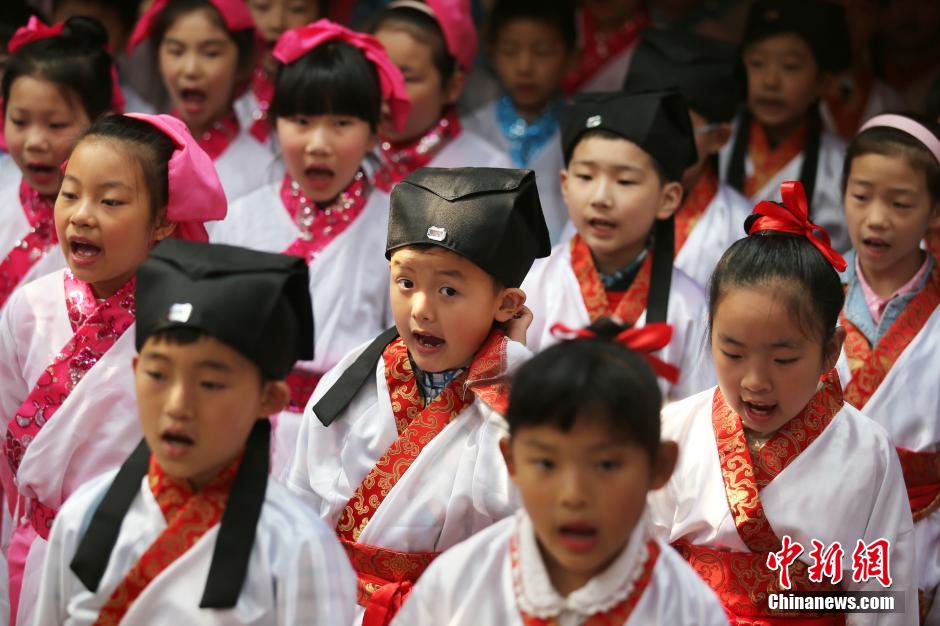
{"points": [[517, 326]]}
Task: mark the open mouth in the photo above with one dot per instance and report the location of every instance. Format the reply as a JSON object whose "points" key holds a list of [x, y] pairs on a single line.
{"points": [[176, 443], [82, 249], [40, 168], [578, 536], [319, 177], [759, 411], [428, 342], [193, 96], [876, 245], [602, 225]]}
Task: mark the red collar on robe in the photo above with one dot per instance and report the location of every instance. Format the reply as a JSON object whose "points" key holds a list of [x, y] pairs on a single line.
{"points": [[219, 136], [768, 161], [848, 105], [398, 161], [96, 327], [385, 576], [628, 306], [188, 514], [262, 86], [694, 205], [870, 367], [28, 250], [598, 48]]}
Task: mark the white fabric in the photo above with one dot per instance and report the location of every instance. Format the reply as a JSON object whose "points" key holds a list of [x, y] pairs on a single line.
{"points": [[468, 149], [457, 486], [472, 584], [810, 499], [14, 225], [826, 204], [93, 431], [246, 165], [553, 295], [881, 99], [547, 164], [248, 111], [913, 421], [720, 226], [297, 572], [611, 76]]}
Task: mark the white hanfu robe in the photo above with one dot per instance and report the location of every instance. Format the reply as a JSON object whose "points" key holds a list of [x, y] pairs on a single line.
{"points": [[348, 282], [297, 571], [845, 486], [826, 204], [547, 163], [457, 485], [553, 295], [246, 165], [95, 428], [473, 583]]}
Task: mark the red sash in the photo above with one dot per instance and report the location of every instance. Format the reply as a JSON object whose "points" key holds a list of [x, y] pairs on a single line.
{"points": [[618, 614], [694, 205], [262, 86], [29, 249], [597, 49], [768, 161], [742, 580], [847, 108], [97, 326], [189, 515], [385, 576], [219, 136], [628, 306], [399, 161], [869, 369]]}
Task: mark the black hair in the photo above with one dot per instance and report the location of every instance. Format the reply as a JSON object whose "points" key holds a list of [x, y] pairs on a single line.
{"points": [[149, 145], [76, 61], [334, 78], [888, 141], [13, 14], [425, 29], [771, 259], [596, 379], [186, 336], [557, 14], [127, 11], [608, 134], [244, 39], [932, 108]]}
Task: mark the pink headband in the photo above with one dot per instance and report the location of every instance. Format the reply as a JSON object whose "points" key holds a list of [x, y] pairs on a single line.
{"points": [[297, 42], [455, 21], [905, 124], [36, 30], [195, 193], [235, 13]]}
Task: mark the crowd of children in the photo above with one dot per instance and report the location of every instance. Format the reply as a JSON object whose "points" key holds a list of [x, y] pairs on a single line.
{"points": [[609, 321]]}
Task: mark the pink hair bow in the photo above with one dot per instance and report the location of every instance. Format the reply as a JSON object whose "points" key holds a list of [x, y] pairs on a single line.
{"points": [[234, 12], [195, 193], [456, 22], [792, 216], [643, 339], [297, 42]]}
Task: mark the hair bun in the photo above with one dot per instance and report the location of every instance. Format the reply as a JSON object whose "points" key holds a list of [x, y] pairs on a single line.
{"points": [[606, 328], [88, 30]]}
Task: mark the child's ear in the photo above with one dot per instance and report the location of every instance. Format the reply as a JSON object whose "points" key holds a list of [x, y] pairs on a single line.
{"points": [[163, 230], [563, 181], [833, 349], [275, 394], [134, 363], [665, 463], [671, 200], [454, 86], [505, 447], [511, 300], [933, 223]]}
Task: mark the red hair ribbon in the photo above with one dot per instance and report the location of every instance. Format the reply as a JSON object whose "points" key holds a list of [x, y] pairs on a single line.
{"points": [[297, 42], [792, 216], [643, 339]]}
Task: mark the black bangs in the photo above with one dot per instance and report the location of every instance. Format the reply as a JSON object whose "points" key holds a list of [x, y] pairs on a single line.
{"points": [[590, 379], [332, 79]]}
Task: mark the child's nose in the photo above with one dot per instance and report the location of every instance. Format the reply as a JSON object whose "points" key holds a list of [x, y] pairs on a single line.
{"points": [[756, 379], [191, 64], [83, 214], [178, 403], [317, 140], [36, 139], [601, 193], [573, 489], [770, 77], [421, 308]]}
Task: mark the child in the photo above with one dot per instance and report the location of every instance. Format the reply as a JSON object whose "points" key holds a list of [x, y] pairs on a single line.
{"points": [[272, 18], [710, 217], [608, 31], [326, 110], [891, 315], [580, 551], [65, 385], [207, 522], [789, 59], [434, 44], [765, 454], [58, 80], [206, 53], [624, 158], [398, 449], [531, 45]]}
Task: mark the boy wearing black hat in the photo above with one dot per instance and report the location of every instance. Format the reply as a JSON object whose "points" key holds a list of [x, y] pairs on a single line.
{"points": [[189, 529], [624, 155], [711, 215], [790, 55], [399, 446]]}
